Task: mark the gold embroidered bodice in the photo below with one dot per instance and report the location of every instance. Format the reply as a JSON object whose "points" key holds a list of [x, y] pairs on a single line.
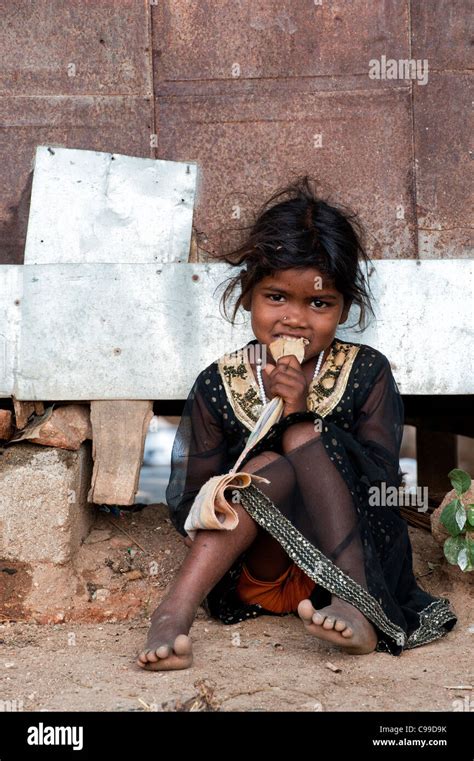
{"points": [[323, 393]]}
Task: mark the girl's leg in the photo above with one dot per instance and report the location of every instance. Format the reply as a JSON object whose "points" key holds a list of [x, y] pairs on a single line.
{"points": [[328, 519], [266, 558], [212, 554]]}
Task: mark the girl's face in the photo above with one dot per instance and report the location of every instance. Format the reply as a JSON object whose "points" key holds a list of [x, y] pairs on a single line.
{"points": [[312, 306]]}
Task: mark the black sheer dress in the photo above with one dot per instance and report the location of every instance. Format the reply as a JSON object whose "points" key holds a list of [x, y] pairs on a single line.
{"points": [[319, 504]]}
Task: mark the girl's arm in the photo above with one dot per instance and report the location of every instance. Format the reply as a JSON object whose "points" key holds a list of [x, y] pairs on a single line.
{"points": [[199, 452], [379, 425], [373, 443]]}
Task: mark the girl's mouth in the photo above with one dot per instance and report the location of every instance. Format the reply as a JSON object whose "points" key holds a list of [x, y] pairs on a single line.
{"points": [[291, 337]]}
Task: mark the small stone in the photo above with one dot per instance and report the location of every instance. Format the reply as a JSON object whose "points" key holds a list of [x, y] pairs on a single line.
{"points": [[98, 535], [119, 542], [133, 575], [101, 594]]}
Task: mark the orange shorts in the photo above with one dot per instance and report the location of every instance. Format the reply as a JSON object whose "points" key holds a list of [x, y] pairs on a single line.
{"points": [[281, 595]]}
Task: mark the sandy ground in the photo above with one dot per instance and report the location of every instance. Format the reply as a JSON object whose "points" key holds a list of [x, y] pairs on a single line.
{"points": [[266, 664]]}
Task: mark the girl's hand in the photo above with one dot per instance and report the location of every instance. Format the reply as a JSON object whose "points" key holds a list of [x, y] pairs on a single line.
{"points": [[286, 379], [187, 540]]}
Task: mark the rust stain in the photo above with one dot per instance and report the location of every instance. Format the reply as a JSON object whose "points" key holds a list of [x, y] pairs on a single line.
{"points": [[247, 90]]}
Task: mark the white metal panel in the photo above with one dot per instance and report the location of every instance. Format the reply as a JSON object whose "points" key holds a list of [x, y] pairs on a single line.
{"points": [[88, 206], [424, 323], [11, 282], [120, 331]]}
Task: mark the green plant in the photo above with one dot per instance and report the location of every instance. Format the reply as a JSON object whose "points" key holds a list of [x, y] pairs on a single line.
{"points": [[458, 518]]}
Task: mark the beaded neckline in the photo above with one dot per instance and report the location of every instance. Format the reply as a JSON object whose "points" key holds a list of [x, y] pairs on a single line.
{"points": [[263, 396], [324, 392]]}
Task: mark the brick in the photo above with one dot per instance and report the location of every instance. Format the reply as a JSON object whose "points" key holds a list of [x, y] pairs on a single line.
{"points": [[44, 514], [6, 425]]}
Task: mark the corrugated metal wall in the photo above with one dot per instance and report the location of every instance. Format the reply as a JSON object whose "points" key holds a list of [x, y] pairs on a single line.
{"points": [[254, 92]]}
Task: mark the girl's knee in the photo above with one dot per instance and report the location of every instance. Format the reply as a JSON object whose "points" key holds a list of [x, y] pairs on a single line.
{"points": [[260, 460]]}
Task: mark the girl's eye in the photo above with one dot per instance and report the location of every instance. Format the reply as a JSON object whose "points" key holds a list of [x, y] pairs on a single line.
{"points": [[280, 295]]}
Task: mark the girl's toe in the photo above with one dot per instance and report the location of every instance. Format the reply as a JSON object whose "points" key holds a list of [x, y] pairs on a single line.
{"points": [[328, 623], [163, 651], [182, 645], [305, 610]]}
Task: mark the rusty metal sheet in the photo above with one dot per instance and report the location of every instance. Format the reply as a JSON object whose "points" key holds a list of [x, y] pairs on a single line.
{"points": [[90, 206], [287, 40], [365, 160], [11, 291], [445, 194], [442, 33], [78, 122], [62, 47]]}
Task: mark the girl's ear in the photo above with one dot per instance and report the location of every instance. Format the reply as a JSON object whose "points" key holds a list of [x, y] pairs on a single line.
{"points": [[247, 299], [345, 312]]}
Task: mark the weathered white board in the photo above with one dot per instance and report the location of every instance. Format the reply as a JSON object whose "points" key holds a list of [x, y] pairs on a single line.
{"points": [[144, 331], [88, 206], [424, 323]]}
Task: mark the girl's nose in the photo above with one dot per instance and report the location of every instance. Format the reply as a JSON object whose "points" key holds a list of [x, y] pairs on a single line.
{"points": [[295, 320]]}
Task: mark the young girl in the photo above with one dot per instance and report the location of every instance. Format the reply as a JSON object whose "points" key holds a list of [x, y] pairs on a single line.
{"points": [[314, 541]]}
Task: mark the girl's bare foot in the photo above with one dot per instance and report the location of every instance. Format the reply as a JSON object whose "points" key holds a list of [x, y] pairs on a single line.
{"points": [[168, 645], [340, 624]]}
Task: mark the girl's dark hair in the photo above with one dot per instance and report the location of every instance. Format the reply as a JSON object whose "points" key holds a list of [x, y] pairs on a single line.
{"points": [[301, 231]]}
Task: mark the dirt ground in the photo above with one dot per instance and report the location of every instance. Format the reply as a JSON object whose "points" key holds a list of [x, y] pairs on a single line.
{"points": [[266, 664]]}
